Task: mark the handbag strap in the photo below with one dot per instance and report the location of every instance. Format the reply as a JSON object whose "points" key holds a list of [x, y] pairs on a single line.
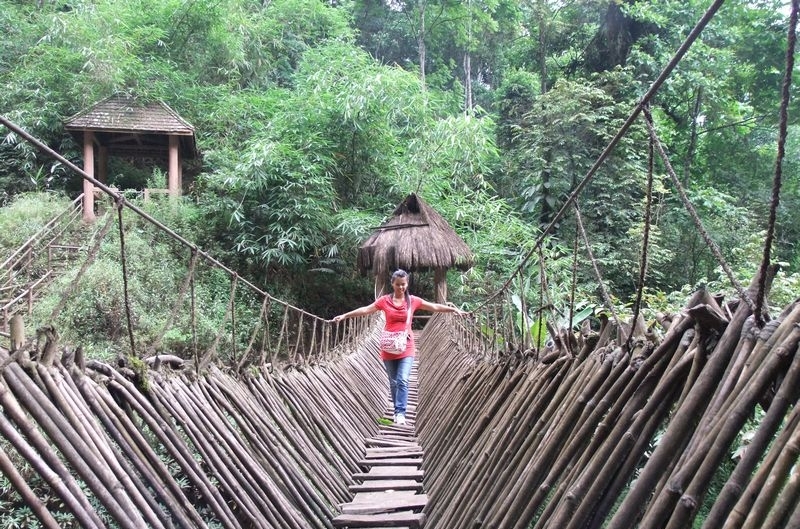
{"points": [[408, 311]]}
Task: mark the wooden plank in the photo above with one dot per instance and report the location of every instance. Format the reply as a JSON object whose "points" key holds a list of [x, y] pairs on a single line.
{"points": [[386, 485], [396, 461], [403, 437], [387, 504], [385, 453], [394, 519], [376, 442], [367, 497], [411, 411], [390, 473], [404, 429]]}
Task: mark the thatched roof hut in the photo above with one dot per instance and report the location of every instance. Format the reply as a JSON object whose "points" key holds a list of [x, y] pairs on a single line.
{"points": [[417, 239]]}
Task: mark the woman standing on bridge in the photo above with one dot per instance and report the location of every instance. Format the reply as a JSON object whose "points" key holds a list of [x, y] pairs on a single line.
{"points": [[398, 308]]}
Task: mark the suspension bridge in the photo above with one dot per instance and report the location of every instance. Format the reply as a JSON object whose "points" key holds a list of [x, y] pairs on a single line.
{"points": [[690, 422], [592, 435]]}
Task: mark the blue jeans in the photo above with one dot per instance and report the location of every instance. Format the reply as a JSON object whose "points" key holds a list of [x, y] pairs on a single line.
{"points": [[398, 372]]}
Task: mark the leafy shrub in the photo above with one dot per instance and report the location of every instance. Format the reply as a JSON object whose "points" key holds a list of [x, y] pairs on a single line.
{"points": [[25, 216]]}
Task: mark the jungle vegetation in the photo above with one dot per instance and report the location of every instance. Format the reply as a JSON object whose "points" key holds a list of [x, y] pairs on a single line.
{"points": [[316, 118]]}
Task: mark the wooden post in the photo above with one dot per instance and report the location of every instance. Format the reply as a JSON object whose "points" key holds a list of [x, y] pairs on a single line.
{"points": [[174, 177], [440, 284], [88, 167], [17, 332]]}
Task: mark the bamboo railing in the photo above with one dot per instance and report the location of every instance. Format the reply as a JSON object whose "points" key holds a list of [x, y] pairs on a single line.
{"points": [[31, 266], [165, 448], [615, 438]]}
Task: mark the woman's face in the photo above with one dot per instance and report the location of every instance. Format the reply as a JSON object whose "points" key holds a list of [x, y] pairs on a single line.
{"points": [[400, 285]]}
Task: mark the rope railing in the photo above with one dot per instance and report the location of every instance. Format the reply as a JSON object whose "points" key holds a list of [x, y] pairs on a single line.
{"points": [[298, 336]]}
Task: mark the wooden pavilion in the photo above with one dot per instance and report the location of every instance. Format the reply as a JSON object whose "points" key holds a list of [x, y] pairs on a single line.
{"points": [[417, 239], [124, 126]]}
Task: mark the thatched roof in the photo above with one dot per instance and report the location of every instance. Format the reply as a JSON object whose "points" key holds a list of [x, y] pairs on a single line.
{"points": [[417, 239]]}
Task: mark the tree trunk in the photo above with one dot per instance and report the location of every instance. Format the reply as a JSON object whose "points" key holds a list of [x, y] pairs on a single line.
{"points": [[421, 42], [614, 39]]}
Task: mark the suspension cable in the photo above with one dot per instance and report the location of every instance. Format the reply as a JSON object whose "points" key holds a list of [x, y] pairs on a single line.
{"points": [[119, 197], [776, 183], [645, 237]]}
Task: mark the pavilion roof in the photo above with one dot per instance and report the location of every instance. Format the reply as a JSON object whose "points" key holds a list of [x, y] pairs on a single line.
{"points": [[128, 125]]}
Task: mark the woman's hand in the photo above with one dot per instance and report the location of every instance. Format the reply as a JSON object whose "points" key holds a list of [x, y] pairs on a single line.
{"points": [[455, 310]]}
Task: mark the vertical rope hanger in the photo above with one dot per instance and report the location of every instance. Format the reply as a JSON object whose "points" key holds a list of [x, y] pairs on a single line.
{"points": [[524, 325], [712, 246], [119, 205], [234, 281], [542, 293], [230, 310], [176, 307], [194, 320], [776, 182], [603, 290], [574, 285], [253, 335], [645, 236]]}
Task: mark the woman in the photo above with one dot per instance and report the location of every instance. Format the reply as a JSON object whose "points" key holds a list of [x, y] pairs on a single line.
{"points": [[395, 307]]}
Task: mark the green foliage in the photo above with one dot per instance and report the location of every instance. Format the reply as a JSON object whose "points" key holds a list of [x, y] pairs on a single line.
{"points": [[95, 312], [25, 216], [532, 325], [313, 125]]}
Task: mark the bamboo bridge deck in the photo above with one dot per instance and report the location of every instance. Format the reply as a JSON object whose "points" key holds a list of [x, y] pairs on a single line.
{"points": [[390, 492]]}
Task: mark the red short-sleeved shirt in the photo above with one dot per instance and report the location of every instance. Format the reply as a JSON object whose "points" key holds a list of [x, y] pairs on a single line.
{"points": [[396, 321]]}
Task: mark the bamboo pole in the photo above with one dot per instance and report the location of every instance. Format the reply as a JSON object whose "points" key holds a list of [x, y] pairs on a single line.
{"points": [[679, 428], [44, 460], [86, 427], [130, 439], [104, 485], [699, 469], [28, 496], [194, 426], [159, 422]]}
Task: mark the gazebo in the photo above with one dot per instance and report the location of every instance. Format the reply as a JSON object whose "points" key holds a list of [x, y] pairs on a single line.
{"points": [[124, 126], [417, 239]]}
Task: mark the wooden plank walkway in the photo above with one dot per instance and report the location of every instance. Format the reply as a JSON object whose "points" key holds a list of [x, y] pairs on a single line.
{"points": [[389, 492]]}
